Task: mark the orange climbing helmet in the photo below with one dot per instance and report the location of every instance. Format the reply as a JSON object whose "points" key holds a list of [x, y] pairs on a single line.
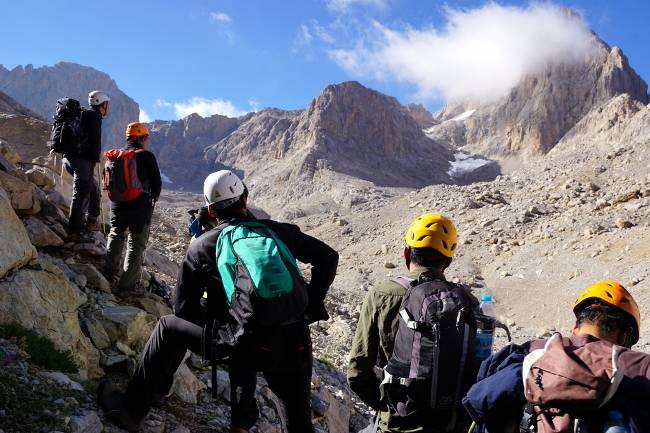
{"points": [[136, 129], [614, 294], [433, 230]]}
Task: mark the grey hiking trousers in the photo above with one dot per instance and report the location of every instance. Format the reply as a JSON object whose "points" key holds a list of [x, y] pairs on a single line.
{"points": [[85, 192], [137, 222]]}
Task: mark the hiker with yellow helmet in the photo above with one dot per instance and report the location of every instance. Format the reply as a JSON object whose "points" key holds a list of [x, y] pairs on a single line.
{"points": [[588, 381], [390, 322], [132, 181]]}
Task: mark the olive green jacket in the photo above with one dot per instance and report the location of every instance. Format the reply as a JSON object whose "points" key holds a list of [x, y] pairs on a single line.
{"points": [[373, 345]]}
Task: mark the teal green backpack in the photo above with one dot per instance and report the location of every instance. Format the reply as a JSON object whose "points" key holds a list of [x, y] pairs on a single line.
{"points": [[262, 282]]}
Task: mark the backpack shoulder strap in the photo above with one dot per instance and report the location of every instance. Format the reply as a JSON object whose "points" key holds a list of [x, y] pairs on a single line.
{"points": [[405, 282]]}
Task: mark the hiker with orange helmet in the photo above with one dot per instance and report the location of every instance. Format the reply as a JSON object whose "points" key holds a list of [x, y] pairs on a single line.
{"points": [[132, 180], [388, 370], [588, 381]]}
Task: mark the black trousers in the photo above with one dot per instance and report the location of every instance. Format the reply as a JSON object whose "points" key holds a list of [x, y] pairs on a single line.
{"points": [[85, 192], [283, 354]]}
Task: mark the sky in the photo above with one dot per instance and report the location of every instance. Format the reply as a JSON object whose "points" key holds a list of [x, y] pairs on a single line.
{"points": [[235, 56]]}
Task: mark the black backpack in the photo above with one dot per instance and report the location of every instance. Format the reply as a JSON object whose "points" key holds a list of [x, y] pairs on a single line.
{"points": [[433, 362], [67, 135]]}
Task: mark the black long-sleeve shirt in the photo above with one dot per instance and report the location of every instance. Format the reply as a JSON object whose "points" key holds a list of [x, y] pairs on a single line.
{"points": [[199, 274], [91, 126]]}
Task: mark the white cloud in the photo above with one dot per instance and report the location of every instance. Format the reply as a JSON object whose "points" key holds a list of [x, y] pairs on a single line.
{"points": [[310, 33], [220, 17], [254, 104], [480, 54], [161, 103], [207, 107], [344, 5], [144, 117]]}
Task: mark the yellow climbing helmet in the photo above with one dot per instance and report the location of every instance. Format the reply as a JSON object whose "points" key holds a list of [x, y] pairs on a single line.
{"points": [[433, 230], [614, 294]]}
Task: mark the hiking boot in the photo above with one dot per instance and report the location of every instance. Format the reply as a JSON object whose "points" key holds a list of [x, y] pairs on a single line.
{"points": [[111, 400]]}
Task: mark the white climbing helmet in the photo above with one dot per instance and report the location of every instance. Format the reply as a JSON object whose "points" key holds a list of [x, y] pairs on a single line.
{"points": [[97, 97], [222, 188]]}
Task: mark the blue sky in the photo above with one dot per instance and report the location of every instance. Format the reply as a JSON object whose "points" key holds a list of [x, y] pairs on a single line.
{"points": [[233, 56]]}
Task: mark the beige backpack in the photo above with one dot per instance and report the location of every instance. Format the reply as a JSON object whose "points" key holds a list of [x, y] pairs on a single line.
{"points": [[565, 386]]}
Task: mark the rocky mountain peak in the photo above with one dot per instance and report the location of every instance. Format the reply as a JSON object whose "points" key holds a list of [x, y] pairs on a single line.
{"points": [[38, 88], [9, 105], [536, 113]]}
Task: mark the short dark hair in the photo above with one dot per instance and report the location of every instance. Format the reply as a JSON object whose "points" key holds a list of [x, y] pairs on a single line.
{"points": [[430, 258], [606, 317]]}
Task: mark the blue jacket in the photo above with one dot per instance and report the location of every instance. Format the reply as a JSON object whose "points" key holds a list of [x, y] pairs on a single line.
{"points": [[498, 390], [496, 400]]}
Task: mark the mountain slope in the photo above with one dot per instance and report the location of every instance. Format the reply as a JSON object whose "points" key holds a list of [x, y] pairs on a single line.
{"points": [[542, 108], [39, 88], [348, 132]]}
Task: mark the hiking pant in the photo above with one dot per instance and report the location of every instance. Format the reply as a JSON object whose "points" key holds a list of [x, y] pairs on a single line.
{"points": [[391, 422], [282, 354], [85, 192], [137, 221]]}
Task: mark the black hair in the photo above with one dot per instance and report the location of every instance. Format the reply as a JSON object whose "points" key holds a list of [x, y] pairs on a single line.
{"points": [[607, 318], [132, 139], [232, 211], [430, 258]]}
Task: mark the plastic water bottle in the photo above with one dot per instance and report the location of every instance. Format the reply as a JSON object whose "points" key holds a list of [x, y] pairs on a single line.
{"points": [[615, 423], [485, 322]]}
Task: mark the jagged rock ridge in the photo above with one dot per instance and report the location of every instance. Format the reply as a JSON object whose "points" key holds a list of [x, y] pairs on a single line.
{"points": [[39, 88], [185, 140], [348, 130], [541, 108]]}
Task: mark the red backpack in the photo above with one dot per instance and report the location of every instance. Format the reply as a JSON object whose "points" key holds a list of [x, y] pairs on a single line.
{"points": [[120, 178]]}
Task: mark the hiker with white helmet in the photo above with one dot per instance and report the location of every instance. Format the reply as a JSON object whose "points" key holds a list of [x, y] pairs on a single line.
{"points": [[80, 161], [255, 316], [590, 381]]}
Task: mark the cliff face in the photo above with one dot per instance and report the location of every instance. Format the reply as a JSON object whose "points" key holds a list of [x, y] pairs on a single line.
{"points": [[179, 146], [542, 108], [9, 105], [39, 88], [348, 131]]}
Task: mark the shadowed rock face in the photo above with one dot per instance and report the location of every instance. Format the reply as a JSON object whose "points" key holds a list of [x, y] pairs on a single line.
{"points": [[179, 146], [39, 88], [542, 108], [11, 106], [348, 129]]}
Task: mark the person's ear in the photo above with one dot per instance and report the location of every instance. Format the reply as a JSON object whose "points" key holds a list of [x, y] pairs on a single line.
{"points": [[407, 256], [574, 329], [211, 212]]}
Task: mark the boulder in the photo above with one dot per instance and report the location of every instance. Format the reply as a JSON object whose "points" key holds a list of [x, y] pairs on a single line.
{"points": [[23, 194], [162, 263], [16, 248], [59, 200], [94, 278], [186, 385], [41, 235], [94, 330], [153, 305], [9, 153], [87, 422], [62, 379], [39, 297], [125, 323], [40, 177]]}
